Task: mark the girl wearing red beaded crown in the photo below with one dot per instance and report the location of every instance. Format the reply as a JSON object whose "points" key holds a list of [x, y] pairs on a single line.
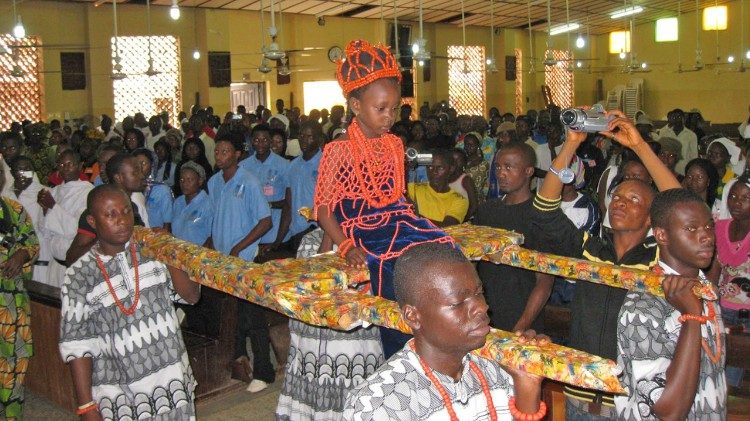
{"points": [[359, 197]]}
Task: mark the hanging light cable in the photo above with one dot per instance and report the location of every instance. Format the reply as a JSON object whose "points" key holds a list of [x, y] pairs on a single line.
{"points": [[196, 50], [531, 38]]}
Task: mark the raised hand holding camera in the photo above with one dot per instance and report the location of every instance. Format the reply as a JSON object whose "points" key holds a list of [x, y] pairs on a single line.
{"points": [[587, 120]]}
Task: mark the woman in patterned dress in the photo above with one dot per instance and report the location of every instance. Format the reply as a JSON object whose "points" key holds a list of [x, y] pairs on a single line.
{"points": [[18, 246]]}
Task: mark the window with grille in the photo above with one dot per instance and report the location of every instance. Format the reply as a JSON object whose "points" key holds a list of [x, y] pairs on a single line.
{"points": [[519, 81], [466, 83], [149, 90], [559, 79], [20, 85]]}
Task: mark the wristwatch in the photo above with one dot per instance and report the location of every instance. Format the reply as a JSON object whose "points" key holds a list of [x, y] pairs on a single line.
{"points": [[566, 175]]}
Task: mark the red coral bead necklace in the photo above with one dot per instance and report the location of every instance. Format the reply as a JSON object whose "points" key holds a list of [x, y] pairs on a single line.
{"points": [[128, 311]]}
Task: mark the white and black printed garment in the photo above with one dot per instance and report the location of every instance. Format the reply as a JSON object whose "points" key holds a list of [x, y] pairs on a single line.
{"points": [[140, 364], [400, 390], [647, 334]]}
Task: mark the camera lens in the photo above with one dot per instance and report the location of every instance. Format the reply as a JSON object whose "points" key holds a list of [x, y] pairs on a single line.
{"points": [[568, 117]]}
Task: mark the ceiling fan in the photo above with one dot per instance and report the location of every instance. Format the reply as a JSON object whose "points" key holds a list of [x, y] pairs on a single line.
{"points": [[272, 52], [420, 52], [633, 65], [150, 71], [491, 65], [117, 73], [698, 65], [549, 59]]}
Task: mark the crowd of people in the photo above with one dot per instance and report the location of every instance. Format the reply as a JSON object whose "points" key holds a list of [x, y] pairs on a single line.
{"points": [[672, 200]]}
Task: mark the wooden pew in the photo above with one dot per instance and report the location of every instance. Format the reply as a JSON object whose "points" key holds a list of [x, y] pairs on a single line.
{"points": [[50, 377]]}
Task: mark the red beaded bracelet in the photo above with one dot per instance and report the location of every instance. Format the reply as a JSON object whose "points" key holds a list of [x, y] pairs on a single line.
{"points": [[345, 246], [86, 408], [522, 416], [697, 318]]}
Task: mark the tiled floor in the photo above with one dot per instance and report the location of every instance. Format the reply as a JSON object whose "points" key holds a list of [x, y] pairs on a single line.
{"points": [[236, 405]]}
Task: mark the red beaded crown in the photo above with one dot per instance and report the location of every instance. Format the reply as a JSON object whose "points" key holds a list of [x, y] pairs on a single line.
{"points": [[365, 63]]}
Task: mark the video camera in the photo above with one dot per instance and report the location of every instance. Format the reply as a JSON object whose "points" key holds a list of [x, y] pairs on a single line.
{"points": [[592, 120], [413, 156]]}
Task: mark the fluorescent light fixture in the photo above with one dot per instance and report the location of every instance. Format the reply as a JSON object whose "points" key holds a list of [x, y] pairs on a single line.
{"points": [[715, 18], [580, 42], [561, 29], [617, 14], [667, 30], [619, 42]]}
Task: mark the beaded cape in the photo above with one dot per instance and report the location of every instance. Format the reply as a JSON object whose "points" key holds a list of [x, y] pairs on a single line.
{"points": [[360, 168]]}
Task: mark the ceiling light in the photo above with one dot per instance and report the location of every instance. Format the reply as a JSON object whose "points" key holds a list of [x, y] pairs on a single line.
{"points": [[421, 63], [580, 42], [626, 12], [174, 11], [19, 31], [561, 29], [747, 55], [730, 59], [622, 55], [415, 48], [196, 54], [579, 64], [644, 65]]}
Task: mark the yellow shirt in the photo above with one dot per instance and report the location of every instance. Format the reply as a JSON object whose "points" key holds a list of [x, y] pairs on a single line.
{"points": [[437, 206]]}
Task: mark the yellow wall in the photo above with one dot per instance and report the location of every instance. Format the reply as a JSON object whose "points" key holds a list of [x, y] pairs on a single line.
{"points": [[721, 97]]}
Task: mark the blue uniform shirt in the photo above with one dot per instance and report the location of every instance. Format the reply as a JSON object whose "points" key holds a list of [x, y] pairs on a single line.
{"points": [[159, 205], [192, 221], [303, 175], [273, 175], [238, 206]]}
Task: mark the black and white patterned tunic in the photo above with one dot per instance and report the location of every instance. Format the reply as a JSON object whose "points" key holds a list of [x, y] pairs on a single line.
{"points": [[324, 364], [140, 364], [647, 334], [400, 390]]}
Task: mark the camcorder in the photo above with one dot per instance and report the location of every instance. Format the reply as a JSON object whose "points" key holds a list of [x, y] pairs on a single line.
{"points": [[592, 120], [413, 156]]}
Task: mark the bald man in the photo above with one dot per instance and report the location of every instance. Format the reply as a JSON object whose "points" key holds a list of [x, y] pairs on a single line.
{"points": [[441, 300]]}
